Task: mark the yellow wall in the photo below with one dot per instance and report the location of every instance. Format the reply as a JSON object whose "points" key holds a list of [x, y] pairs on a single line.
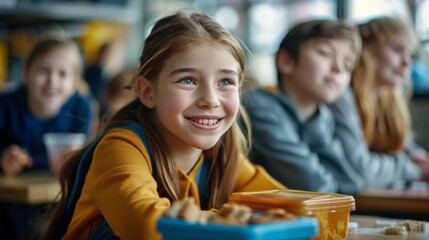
{"points": [[3, 62], [96, 33]]}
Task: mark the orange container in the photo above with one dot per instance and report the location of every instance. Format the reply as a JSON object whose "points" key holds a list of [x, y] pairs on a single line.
{"points": [[330, 209]]}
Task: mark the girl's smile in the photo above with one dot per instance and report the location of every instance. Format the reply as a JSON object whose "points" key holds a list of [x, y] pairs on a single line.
{"points": [[206, 123]]}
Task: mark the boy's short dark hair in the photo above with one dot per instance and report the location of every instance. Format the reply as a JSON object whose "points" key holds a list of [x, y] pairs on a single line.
{"points": [[305, 31]]}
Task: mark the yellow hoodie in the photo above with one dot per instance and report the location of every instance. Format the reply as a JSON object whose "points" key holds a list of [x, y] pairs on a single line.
{"points": [[119, 187]]}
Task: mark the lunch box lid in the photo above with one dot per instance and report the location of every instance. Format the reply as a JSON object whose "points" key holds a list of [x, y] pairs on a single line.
{"points": [[293, 199]]}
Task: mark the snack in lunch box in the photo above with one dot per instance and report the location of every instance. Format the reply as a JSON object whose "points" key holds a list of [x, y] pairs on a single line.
{"points": [[396, 230], [186, 209], [273, 215], [413, 225], [232, 214], [229, 214]]}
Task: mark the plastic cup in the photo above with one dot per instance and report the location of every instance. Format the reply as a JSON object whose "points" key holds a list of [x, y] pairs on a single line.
{"points": [[58, 145]]}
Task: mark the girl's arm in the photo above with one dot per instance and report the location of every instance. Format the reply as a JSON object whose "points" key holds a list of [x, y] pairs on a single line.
{"points": [[254, 178]]}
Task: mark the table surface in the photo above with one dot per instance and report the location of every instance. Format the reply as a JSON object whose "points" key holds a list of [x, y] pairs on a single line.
{"points": [[30, 188], [408, 200], [44, 187], [371, 227]]}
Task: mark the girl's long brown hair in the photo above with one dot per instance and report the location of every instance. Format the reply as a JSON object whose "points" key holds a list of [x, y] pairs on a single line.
{"points": [[172, 35], [384, 112]]}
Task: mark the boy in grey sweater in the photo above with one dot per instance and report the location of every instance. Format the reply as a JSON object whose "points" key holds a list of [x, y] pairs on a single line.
{"points": [[293, 130]]}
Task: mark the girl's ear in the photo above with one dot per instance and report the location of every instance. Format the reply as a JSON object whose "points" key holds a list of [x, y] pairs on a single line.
{"points": [[145, 92], [285, 63]]}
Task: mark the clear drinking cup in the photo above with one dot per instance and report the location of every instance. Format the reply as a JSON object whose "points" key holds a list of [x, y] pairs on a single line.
{"points": [[59, 145]]}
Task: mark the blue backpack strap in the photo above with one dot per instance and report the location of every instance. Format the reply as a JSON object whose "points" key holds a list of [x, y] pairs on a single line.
{"points": [[202, 183], [103, 230]]}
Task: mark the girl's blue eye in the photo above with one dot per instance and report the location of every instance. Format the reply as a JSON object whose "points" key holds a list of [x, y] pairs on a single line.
{"points": [[186, 81], [225, 82]]}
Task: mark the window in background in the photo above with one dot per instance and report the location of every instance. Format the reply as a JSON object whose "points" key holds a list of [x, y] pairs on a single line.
{"points": [[154, 10], [422, 19], [363, 10], [232, 15], [229, 13], [269, 21], [420, 71]]}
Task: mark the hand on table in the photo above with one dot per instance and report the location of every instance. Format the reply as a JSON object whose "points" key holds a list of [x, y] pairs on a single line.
{"points": [[421, 159], [15, 159], [424, 167]]}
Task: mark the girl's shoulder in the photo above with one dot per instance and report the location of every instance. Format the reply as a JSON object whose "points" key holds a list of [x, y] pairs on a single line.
{"points": [[126, 140], [126, 130], [134, 134]]}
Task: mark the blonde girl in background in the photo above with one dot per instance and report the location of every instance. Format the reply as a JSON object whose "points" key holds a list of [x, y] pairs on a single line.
{"points": [[153, 149], [48, 101], [372, 118]]}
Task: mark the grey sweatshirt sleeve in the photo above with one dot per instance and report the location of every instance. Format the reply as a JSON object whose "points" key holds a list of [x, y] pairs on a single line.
{"points": [[378, 169], [411, 147], [279, 148]]}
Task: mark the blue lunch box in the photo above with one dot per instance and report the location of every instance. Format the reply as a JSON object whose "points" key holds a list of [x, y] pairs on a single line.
{"points": [[177, 229]]}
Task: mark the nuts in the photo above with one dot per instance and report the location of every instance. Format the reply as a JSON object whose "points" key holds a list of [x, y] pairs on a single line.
{"points": [[273, 215], [186, 209], [396, 230], [406, 226], [413, 225]]}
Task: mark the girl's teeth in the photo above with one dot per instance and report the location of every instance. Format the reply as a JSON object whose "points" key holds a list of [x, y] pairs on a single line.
{"points": [[206, 121]]}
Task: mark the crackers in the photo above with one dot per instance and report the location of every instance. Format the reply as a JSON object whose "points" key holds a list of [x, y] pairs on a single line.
{"points": [[405, 227], [396, 230], [413, 225], [186, 209], [229, 214]]}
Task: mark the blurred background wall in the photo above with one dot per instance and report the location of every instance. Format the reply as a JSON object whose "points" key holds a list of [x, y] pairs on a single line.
{"points": [[123, 24], [120, 26]]}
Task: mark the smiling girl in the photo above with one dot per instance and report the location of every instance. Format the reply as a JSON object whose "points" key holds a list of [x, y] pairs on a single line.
{"points": [[179, 139]]}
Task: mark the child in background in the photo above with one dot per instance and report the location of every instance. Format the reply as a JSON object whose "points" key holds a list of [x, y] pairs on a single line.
{"points": [[48, 101], [118, 93], [372, 119], [292, 127], [153, 149]]}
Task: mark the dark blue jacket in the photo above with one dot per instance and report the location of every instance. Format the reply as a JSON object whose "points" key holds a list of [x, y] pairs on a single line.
{"points": [[19, 126]]}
